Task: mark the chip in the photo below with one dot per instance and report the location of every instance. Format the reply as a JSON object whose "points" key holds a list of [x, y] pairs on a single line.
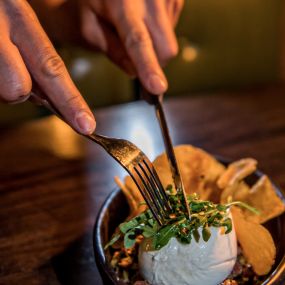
{"points": [[199, 170], [132, 191], [256, 242], [263, 197], [132, 201], [236, 172], [236, 192]]}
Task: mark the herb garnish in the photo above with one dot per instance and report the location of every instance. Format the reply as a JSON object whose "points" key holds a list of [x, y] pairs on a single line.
{"points": [[204, 214]]}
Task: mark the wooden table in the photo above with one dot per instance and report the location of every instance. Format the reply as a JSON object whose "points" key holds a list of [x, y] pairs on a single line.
{"points": [[53, 182]]}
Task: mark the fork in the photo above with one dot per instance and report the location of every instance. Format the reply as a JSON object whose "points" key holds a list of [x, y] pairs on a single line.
{"points": [[133, 160]]}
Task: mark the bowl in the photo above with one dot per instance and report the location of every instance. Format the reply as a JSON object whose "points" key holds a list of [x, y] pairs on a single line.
{"points": [[115, 210]]}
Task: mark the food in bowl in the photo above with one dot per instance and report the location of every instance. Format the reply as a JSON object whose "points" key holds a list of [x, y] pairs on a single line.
{"points": [[207, 252]]}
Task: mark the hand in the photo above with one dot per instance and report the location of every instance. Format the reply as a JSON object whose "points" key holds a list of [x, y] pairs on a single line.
{"points": [[25, 54], [138, 35]]}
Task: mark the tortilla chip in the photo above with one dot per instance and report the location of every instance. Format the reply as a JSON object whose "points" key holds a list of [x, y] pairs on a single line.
{"points": [[256, 242], [130, 198], [133, 190], [263, 197], [199, 170], [237, 192], [236, 172]]}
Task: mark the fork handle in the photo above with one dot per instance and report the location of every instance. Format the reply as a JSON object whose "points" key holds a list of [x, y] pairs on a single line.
{"points": [[45, 102]]}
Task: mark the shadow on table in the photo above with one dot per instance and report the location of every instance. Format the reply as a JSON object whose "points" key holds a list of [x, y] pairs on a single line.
{"points": [[76, 265]]}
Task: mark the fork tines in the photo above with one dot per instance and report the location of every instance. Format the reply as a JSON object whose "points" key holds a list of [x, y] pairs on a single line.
{"points": [[152, 190]]}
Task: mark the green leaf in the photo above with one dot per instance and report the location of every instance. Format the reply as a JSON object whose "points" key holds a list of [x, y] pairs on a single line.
{"points": [[196, 206], [221, 207], [244, 205], [148, 231], [124, 227], [129, 239], [164, 235], [206, 234], [228, 224], [112, 241], [169, 188]]}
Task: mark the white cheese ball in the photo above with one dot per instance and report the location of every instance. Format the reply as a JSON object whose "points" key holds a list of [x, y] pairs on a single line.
{"points": [[202, 263]]}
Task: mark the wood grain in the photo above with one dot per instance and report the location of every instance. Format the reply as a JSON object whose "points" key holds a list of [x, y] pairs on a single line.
{"points": [[53, 182]]}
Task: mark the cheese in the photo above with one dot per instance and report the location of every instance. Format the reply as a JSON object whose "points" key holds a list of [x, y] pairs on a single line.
{"points": [[202, 263]]}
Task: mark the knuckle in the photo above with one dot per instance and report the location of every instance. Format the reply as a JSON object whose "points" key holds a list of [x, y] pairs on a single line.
{"points": [[51, 65], [137, 37]]}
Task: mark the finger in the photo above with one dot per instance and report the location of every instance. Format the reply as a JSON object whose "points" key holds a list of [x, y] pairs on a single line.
{"points": [[100, 35], [138, 44], [48, 70], [174, 11], [116, 50], [91, 29], [161, 30], [15, 81], [169, 8]]}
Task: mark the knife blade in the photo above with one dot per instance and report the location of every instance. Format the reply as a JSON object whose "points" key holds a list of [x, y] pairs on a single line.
{"points": [[176, 176]]}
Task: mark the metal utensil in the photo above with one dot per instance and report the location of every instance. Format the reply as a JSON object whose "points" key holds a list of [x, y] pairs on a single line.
{"points": [[133, 160], [157, 102]]}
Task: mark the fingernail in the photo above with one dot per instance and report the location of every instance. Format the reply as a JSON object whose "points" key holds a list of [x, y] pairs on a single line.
{"points": [[85, 122], [156, 84]]}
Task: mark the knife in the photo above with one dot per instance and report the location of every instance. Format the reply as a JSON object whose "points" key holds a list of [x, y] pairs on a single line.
{"points": [[157, 102]]}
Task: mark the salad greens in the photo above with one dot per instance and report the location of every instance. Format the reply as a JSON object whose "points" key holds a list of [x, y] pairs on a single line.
{"points": [[204, 214]]}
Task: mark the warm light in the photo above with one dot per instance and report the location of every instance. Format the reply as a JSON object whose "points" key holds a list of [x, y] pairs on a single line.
{"points": [[80, 67], [58, 138], [66, 143], [189, 53]]}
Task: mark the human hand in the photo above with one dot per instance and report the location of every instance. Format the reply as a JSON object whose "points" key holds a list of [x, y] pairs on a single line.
{"points": [[137, 35], [25, 54]]}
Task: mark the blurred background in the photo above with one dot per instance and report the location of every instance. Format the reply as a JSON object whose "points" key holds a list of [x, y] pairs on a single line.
{"points": [[224, 45]]}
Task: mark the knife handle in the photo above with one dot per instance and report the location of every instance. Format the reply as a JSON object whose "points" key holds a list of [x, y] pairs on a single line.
{"points": [[150, 98]]}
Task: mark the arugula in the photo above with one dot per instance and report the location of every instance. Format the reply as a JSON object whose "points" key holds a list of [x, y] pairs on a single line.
{"points": [[204, 214]]}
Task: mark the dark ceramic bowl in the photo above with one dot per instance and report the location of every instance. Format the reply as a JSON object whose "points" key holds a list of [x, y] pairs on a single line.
{"points": [[115, 210]]}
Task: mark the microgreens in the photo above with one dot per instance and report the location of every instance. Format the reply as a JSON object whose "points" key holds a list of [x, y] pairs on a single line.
{"points": [[204, 214]]}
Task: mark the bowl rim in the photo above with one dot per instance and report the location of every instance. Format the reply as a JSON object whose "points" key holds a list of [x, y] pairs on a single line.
{"points": [[277, 277], [98, 248]]}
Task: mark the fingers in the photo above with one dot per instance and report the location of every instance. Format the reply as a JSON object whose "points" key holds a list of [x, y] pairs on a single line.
{"points": [[100, 35], [15, 80], [116, 50], [177, 9], [174, 9], [47, 68], [91, 28], [161, 30], [138, 44]]}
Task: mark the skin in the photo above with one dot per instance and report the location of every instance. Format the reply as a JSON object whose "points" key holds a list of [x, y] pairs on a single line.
{"points": [[138, 36], [26, 53]]}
